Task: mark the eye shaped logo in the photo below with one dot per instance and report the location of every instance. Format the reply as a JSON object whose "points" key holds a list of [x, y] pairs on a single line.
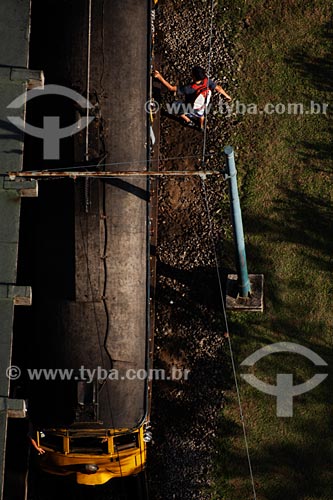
{"points": [[284, 390], [51, 133]]}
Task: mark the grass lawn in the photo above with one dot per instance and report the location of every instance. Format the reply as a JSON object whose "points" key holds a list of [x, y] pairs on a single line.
{"points": [[285, 171]]}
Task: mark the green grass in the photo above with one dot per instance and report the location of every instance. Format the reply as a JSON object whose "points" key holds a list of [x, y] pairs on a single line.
{"points": [[285, 172]]}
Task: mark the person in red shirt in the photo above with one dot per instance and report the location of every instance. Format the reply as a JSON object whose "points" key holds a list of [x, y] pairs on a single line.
{"points": [[197, 95]]}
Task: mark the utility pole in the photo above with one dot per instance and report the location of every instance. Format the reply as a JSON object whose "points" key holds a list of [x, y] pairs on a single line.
{"points": [[237, 224], [244, 292]]}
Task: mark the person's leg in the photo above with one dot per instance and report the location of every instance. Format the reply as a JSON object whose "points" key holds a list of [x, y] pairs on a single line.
{"points": [[185, 118], [178, 108]]}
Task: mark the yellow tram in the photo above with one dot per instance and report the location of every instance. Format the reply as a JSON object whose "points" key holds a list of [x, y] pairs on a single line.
{"points": [[94, 455]]}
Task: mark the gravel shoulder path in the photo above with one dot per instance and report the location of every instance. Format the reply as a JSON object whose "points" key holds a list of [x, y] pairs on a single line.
{"points": [[189, 325]]}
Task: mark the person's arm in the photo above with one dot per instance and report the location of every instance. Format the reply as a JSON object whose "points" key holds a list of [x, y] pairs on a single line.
{"points": [[220, 90], [35, 445], [172, 88]]}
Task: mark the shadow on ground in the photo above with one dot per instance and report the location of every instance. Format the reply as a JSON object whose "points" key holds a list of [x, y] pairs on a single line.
{"points": [[317, 72]]}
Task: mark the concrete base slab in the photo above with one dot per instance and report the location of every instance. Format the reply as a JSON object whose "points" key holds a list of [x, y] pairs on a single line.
{"points": [[253, 303]]}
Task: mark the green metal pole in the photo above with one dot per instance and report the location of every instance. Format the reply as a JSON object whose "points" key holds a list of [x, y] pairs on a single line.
{"points": [[237, 224]]}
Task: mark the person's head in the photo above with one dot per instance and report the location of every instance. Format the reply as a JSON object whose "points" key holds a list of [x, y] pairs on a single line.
{"points": [[198, 73]]}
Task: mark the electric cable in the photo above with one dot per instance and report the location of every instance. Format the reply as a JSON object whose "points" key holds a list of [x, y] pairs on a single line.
{"points": [[208, 76], [232, 357], [102, 347], [219, 276], [88, 78]]}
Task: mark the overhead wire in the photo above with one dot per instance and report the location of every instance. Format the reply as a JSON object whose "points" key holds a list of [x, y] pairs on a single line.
{"points": [[208, 76], [232, 357], [102, 163], [102, 346], [88, 77], [85, 246], [87, 181]]}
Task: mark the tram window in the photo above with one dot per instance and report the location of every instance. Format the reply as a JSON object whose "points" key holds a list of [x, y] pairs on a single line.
{"points": [[126, 441], [52, 441], [92, 445]]}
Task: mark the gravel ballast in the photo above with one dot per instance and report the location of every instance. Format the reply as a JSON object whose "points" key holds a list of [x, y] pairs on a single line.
{"points": [[189, 331]]}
